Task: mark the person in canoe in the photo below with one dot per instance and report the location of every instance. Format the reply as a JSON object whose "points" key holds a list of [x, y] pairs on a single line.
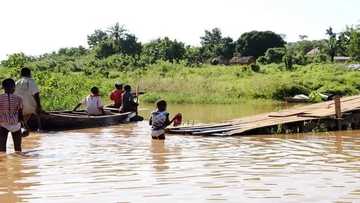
{"points": [[92, 103], [27, 89], [11, 115], [116, 95], [159, 120], [128, 101]]}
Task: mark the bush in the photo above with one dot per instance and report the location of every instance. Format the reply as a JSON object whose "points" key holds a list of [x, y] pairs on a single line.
{"points": [[262, 60], [289, 90], [255, 68], [275, 55]]}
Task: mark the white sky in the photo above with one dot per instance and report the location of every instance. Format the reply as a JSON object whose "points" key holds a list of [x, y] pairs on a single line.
{"points": [[39, 26]]}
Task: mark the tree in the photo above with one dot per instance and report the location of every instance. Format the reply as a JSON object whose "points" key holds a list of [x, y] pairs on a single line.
{"points": [[164, 49], [73, 51], [256, 43], [214, 45], [303, 37], [354, 44], [227, 48], [193, 56], [331, 43], [343, 42], [129, 45], [117, 32], [275, 55], [105, 49], [97, 37], [16, 60]]}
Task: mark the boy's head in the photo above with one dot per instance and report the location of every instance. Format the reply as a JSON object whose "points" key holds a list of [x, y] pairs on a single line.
{"points": [[118, 86], [25, 72], [94, 90], [161, 105], [8, 85], [127, 88]]}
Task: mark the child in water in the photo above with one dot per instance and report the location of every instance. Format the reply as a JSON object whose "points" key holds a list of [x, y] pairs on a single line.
{"points": [[159, 120]]}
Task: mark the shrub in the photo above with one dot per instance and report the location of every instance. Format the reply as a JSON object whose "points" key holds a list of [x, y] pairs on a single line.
{"points": [[275, 55], [255, 68]]}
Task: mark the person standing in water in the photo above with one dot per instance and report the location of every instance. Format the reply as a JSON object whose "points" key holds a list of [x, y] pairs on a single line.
{"points": [[11, 116], [27, 89], [159, 120]]}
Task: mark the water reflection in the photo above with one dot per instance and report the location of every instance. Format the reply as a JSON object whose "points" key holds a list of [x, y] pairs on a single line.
{"points": [[159, 153], [15, 170]]}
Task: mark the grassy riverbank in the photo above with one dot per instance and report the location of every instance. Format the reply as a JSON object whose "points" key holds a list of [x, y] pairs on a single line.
{"points": [[206, 84]]}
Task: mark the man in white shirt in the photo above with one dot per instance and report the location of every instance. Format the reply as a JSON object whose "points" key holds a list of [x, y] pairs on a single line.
{"points": [[27, 89]]}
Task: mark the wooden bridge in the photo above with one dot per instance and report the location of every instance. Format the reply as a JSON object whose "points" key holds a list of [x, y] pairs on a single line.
{"points": [[340, 114]]}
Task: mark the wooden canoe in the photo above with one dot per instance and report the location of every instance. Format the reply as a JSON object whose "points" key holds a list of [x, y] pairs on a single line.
{"points": [[296, 100], [66, 120]]}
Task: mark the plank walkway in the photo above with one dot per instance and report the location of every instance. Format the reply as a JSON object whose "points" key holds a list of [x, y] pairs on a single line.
{"points": [[320, 116]]}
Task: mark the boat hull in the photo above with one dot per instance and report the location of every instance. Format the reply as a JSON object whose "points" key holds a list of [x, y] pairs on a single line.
{"points": [[56, 121]]}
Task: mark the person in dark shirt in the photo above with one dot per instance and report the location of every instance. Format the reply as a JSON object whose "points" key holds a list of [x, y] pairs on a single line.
{"points": [[128, 101]]}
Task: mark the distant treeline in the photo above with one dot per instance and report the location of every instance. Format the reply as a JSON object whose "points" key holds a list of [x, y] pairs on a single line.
{"points": [[117, 49]]}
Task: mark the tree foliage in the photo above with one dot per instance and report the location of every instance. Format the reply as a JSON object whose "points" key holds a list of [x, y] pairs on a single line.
{"points": [[97, 37], [16, 60], [214, 45], [164, 49], [332, 43], [255, 43], [354, 44]]}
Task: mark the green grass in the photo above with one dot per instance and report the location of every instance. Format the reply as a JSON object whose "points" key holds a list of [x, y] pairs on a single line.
{"points": [[206, 84]]}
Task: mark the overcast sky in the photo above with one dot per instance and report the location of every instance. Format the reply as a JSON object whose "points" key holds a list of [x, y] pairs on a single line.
{"points": [[38, 26]]}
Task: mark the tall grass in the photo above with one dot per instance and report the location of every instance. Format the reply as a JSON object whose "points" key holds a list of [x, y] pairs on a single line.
{"points": [[206, 84]]}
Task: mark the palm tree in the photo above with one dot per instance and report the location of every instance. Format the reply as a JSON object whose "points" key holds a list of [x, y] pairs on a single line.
{"points": [[117, 31]]}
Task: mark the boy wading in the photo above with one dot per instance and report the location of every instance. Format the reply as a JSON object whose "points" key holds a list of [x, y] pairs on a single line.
{"points": [[10, 116]]}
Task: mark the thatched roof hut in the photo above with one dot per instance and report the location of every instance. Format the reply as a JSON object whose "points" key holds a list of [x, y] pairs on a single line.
{"points": [[313, 52], [243, 60]]}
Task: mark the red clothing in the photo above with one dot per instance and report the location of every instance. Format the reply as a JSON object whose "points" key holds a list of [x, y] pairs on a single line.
{"points": [[116, 96]]}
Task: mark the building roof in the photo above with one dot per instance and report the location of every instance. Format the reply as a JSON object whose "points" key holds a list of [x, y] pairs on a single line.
{"points": [[313, 52]]}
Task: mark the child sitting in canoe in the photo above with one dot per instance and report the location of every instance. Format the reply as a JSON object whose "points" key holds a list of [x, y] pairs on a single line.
{"points": [[92, 103], [116, 95], [128, 103], [159, 120]]}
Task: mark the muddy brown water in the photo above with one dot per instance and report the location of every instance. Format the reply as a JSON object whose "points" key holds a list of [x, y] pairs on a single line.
{"points": [[122, 164]]}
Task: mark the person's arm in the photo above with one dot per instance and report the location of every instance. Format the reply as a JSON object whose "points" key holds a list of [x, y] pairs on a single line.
{"points": [[102, 110], [112, 96], [77, 106], [100, 106], [21, 115], [150, 120], [168, 122], [172, 120]]}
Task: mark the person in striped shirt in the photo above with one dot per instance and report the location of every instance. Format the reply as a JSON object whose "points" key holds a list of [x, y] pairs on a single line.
{"points": [[11, 115]]}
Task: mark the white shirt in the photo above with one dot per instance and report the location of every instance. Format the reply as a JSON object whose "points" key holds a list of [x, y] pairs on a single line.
{"points": [[26, 88], [93, 105]]}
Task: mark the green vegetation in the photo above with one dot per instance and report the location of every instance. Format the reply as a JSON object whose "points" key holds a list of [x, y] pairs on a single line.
{"points": [[179, 73], [205, 84]]}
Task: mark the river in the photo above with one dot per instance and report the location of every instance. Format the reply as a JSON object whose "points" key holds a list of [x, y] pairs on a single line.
{"points": [[122, 164]]}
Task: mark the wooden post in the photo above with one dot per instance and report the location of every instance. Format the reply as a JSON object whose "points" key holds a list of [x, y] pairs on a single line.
{"points": [[338, 111], [337, 106]]}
